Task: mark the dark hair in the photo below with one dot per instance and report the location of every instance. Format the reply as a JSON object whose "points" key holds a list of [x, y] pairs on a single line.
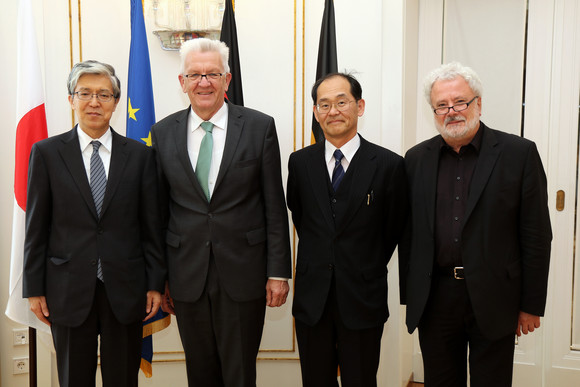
{"points": [[355, 87]]}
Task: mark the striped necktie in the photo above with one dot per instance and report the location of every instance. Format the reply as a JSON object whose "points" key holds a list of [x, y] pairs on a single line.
{"points": [[98, 186], [338, 172]]}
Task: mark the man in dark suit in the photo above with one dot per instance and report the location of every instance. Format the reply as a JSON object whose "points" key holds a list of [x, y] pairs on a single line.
{"points": [[93, 254], [228, 245], [348, 201], [475, 269]]}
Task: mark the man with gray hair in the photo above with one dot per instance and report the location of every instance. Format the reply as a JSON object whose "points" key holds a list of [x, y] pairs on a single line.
{"points": [[227, 237], [93, 254], [474, 265]]}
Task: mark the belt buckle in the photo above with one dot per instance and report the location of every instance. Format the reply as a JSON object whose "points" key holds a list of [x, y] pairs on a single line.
{"points": [[456, 274]]}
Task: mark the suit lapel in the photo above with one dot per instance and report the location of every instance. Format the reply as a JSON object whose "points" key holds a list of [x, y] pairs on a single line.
{"points": [[72, 157], [428, 173], [319, 181], [488, 156], [233, 134], [119, 157], [180, 138], [362, 167]]}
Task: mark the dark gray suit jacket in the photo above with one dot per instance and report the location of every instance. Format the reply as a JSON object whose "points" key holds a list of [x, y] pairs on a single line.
{"points": [[65, 237], [505, 239], [246, 222], [353, 239]]}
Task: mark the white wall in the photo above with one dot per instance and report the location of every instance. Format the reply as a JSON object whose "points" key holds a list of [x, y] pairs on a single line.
{"points": [[276, 79]]}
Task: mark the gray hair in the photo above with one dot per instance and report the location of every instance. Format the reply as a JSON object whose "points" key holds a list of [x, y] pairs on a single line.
{"points": [[205, 45], [451, 71], [93, 67]]}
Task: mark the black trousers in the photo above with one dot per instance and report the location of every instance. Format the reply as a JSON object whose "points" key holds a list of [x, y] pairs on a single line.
{"points": [[120, 348], [448, 329], [330, 344], [220, 337]]}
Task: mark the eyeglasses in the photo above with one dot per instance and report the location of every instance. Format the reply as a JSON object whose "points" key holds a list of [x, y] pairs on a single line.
{"points": [[325, 107], [84, 96], [197, 77], [458, 108]]}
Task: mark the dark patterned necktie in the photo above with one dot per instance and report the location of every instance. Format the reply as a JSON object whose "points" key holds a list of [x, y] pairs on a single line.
{"points": [[98, 186], [338, 172]]}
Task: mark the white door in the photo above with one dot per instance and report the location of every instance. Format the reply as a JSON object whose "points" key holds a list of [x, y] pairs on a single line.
{"points": [[561, 345]]}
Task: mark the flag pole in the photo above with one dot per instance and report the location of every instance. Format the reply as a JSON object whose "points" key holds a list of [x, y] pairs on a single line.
{"points": [[32, 359]]}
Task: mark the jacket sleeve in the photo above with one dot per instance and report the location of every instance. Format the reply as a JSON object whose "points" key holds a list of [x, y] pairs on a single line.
{"points": [[535, 235], [38, 219], [278, 236]]}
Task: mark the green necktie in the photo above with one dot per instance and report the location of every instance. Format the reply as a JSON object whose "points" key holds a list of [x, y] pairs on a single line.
{"points": [[204, 158]]}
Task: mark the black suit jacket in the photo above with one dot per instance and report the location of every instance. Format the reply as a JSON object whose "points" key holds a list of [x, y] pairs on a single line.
{"points": [[246, 222], [505, 239], [353, 242], [65, 237]]}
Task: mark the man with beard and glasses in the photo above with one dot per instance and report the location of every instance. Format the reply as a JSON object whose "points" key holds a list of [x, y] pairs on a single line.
{"points": [[475, 257]]}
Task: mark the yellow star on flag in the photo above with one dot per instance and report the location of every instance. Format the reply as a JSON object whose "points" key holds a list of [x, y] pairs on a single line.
{"points": [[132, 111], [147, 139]]}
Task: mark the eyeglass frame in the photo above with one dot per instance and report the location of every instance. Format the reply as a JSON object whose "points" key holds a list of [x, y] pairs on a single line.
{"points": [[454, 107], [335, 104], [97, 95], [208, 77]]}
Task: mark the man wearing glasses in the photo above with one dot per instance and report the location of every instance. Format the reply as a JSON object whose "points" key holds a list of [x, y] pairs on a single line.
{"points": [[93, 256], [348, 199], [227, 238], [474, 271]]}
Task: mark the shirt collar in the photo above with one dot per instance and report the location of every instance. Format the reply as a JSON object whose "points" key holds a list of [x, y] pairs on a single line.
{"points": [[348, 150], [219, 119], [106, 139]]}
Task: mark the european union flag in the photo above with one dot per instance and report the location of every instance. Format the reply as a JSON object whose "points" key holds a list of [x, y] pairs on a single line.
{"points": [[140, 107], [155, 324], [140, 118]]}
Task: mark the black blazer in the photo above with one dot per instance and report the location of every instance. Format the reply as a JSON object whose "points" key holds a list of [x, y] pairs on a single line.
{"points": [[506, 235], [64, 236], [355, 241], [246, 222]]}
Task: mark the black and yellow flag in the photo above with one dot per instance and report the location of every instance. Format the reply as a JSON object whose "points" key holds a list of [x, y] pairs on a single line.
{"points": [[327, 62]]}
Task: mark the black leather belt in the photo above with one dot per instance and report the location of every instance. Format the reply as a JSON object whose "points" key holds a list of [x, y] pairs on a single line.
{"points": [[450, 271]]}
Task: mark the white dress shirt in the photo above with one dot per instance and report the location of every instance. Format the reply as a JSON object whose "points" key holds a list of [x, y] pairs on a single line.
{"points": [[195, 134], [348, 150], [105, 149]]}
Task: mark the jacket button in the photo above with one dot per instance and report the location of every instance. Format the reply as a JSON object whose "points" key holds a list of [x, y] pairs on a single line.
{"points": [[330, 266], [210, 215], [94, 262], [207, 243], [333, 200]]}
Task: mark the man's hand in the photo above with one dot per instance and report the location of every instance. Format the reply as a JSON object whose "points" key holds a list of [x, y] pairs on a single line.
{"points": [[40, 309], [167, 301], [153, 302], [527, 323], [276, 292]]}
